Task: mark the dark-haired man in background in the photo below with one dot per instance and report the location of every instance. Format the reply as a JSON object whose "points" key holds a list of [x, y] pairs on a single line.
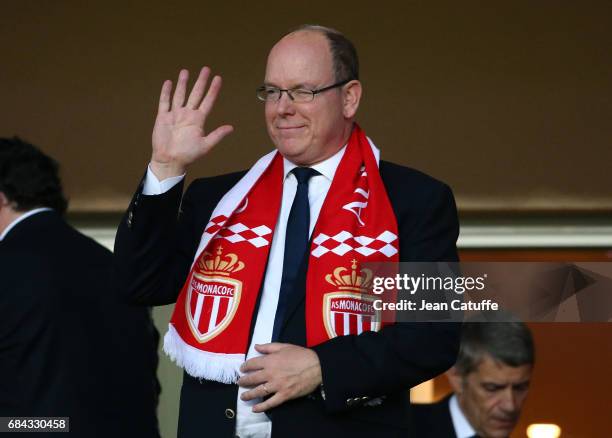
{"points": [[490, 382], [68, 346]]}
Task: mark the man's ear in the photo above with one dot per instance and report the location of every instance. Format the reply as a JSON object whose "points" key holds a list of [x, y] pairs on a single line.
{"points": [[352, 96], [455, 379], [3, 200]]}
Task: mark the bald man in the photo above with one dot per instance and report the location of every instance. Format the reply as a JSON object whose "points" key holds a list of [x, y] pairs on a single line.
{"points": [[271, 323]]}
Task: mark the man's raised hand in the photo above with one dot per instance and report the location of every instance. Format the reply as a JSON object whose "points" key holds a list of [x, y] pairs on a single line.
{"points": [[179, 137]]}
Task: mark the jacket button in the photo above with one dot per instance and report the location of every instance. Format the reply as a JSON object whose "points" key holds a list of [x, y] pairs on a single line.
{"points": [[129, 219], [229, 413]]}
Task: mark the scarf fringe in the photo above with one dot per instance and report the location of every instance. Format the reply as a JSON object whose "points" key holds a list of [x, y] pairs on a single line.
{"points": [[221, 367]]}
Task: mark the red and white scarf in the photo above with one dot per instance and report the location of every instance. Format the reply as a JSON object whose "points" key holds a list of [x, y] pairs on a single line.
{"points": [[209, 329]]}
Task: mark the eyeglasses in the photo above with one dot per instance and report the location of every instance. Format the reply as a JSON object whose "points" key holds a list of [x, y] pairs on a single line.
{"points": [[299, 95]]}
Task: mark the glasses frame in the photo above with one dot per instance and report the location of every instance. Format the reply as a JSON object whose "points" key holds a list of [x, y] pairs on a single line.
{"points": [[288, 91]]}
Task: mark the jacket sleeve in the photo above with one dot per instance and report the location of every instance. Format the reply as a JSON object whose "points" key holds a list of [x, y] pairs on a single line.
{"points": [[356, 368], [154, 246]]}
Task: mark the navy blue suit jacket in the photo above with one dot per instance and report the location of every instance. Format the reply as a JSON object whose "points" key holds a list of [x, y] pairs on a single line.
{"points": [[69, 347], [154, 251]]}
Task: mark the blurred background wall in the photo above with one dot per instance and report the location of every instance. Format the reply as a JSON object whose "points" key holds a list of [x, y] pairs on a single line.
{"points": [[508, 102]]}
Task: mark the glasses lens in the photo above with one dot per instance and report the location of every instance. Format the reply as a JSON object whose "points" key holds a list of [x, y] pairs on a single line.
{"points": [[267, 93], [301, 95]]}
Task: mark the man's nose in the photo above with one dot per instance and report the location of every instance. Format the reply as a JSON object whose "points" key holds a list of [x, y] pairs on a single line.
{"points": [[285, 104], [509, 402]]}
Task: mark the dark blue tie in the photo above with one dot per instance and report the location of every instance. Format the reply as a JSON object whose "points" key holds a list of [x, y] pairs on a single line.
{"points": [[296, 245]]}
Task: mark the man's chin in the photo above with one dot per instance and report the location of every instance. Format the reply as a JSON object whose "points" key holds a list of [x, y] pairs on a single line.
{"points": [[291, 150]]}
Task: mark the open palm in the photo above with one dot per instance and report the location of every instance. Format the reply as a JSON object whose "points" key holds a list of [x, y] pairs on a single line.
{"points": [[179, 136]]}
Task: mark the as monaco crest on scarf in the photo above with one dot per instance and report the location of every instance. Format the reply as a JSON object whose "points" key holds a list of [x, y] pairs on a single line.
{"points": [[209, 330], [348, 309], [213, 296]]}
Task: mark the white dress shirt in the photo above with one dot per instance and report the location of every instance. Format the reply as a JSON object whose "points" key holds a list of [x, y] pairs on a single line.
{"points": [[463, 428], [21, 218], [248, 423]]}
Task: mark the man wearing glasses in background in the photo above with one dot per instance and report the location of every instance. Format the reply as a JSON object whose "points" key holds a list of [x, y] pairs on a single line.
{"points": [[269, 323]]}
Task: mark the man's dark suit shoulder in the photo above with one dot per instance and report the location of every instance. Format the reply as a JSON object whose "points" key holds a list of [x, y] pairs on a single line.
{"points": [[426, 213], [411, 182], [32, 230]]}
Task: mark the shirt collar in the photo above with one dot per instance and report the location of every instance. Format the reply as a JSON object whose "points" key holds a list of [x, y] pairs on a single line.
{"points": [[463, 428], [327, 168], [23, 217]]}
